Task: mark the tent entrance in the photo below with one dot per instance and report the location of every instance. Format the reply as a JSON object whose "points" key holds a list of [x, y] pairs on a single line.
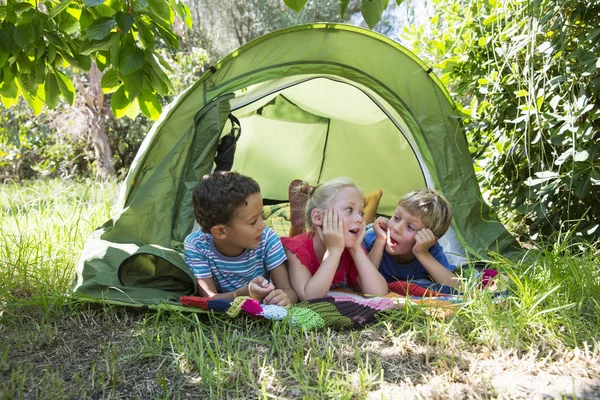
{"points": [[317, 128]]}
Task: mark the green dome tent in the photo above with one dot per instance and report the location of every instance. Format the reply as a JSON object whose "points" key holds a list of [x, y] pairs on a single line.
{"points": [[313, 102]]}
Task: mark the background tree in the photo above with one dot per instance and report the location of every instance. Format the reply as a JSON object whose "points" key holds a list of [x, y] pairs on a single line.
{"points": [[40, 43]]}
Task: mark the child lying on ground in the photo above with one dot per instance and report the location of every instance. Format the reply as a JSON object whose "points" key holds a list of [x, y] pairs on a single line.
{"points": [[405, 246], [235, 253], [330, 254]]}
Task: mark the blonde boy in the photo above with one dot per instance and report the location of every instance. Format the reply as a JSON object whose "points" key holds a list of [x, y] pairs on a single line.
{"points": [[405, 247]]}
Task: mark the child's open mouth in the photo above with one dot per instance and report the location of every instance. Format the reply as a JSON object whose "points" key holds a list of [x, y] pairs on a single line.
{"points": [[392, 242], [355, 231]]}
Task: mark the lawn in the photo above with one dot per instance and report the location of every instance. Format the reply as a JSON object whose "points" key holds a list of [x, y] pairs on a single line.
{"points": [[540, 341]]}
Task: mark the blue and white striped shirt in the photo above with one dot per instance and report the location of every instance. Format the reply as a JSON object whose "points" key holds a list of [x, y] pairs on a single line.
{"points": [[231, 273]]}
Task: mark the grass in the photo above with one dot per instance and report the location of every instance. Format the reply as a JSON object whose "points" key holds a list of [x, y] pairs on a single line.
{"points": [[541, 341]]}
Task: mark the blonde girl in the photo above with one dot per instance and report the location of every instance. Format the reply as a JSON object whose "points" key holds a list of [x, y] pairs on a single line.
{"points": [[330, 253]]}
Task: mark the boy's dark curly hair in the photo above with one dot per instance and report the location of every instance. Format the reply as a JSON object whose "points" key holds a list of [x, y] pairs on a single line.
{"points": [[218, 196]]}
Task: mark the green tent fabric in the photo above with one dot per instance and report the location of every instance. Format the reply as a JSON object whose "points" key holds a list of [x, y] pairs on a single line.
{"points": [[314, 102]]}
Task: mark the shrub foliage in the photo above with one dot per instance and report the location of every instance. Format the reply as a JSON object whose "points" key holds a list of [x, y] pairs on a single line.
{"points": [[526, 77]]}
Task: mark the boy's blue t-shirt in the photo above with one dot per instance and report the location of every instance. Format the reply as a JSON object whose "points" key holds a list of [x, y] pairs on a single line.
{"points": [[231, 273], [393, 271]]}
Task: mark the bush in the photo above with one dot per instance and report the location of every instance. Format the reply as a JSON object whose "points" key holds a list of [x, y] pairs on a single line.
{"points": [[525, 76]]}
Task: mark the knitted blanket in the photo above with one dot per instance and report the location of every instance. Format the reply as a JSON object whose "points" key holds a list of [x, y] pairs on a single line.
{"points": [[339, 309]]}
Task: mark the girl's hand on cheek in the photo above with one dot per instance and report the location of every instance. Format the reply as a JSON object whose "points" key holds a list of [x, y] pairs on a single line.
{"points": [[333, 231], [361, 236]]}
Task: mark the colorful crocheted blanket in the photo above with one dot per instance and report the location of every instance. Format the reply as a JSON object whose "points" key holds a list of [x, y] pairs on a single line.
{"points": [[340, 309]]}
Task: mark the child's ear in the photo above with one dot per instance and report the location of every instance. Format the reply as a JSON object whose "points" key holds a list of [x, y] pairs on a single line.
{"points": [[317, 217], [218, 232]]}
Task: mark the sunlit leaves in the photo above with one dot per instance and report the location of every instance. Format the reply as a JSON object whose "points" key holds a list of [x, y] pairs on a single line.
{"points": [[131, 59], [124, 21], [372, 10], [67, 90], [537, 71], [150, 105], [100, 28], [343, 7], [295, 5], [110, 81], [37, 43], [51, 91]]}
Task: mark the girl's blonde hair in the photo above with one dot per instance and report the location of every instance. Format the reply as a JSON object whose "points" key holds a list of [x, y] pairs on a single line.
{"points": [[322, 196]]}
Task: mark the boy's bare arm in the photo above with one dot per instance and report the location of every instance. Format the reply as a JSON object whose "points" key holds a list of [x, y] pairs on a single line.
{"points": [[207, 288], [440, 274]]}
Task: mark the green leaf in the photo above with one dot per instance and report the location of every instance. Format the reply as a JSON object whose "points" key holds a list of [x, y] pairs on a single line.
{"points": [[343, 7], [24, 36], [40, 72], [9, 88], [52, 91], [67, 90], [3, 58], [59, 8], [187, 17], [20, 7], [115, 48], [85, 20], [34, 100], [168, 36], [295, 5], [100, 28], [584, 186], [133, 84], [150, 105], [133, 110], [162, 10], [101, 58], [92, 3], [110, 81], [372, 10], [522, 93], [119, 102], [157, 82], [131, 59], [9, 102], [159, 72], [27, 82], [88, 47], [398, 2], [145, 34], [124, 21], [122, 106], [68, 23]]}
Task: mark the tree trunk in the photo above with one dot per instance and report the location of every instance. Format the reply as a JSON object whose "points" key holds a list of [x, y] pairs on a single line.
{"points": [[97, 122]]}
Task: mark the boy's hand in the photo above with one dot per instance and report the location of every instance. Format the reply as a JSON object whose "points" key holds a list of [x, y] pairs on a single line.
{"points": [[278, 298], [259, 288], [380, 227], [424, 240], [332, 232]]}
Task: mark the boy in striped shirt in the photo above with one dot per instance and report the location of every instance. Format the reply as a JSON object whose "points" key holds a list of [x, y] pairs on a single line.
{"points": [[235, 253]]}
